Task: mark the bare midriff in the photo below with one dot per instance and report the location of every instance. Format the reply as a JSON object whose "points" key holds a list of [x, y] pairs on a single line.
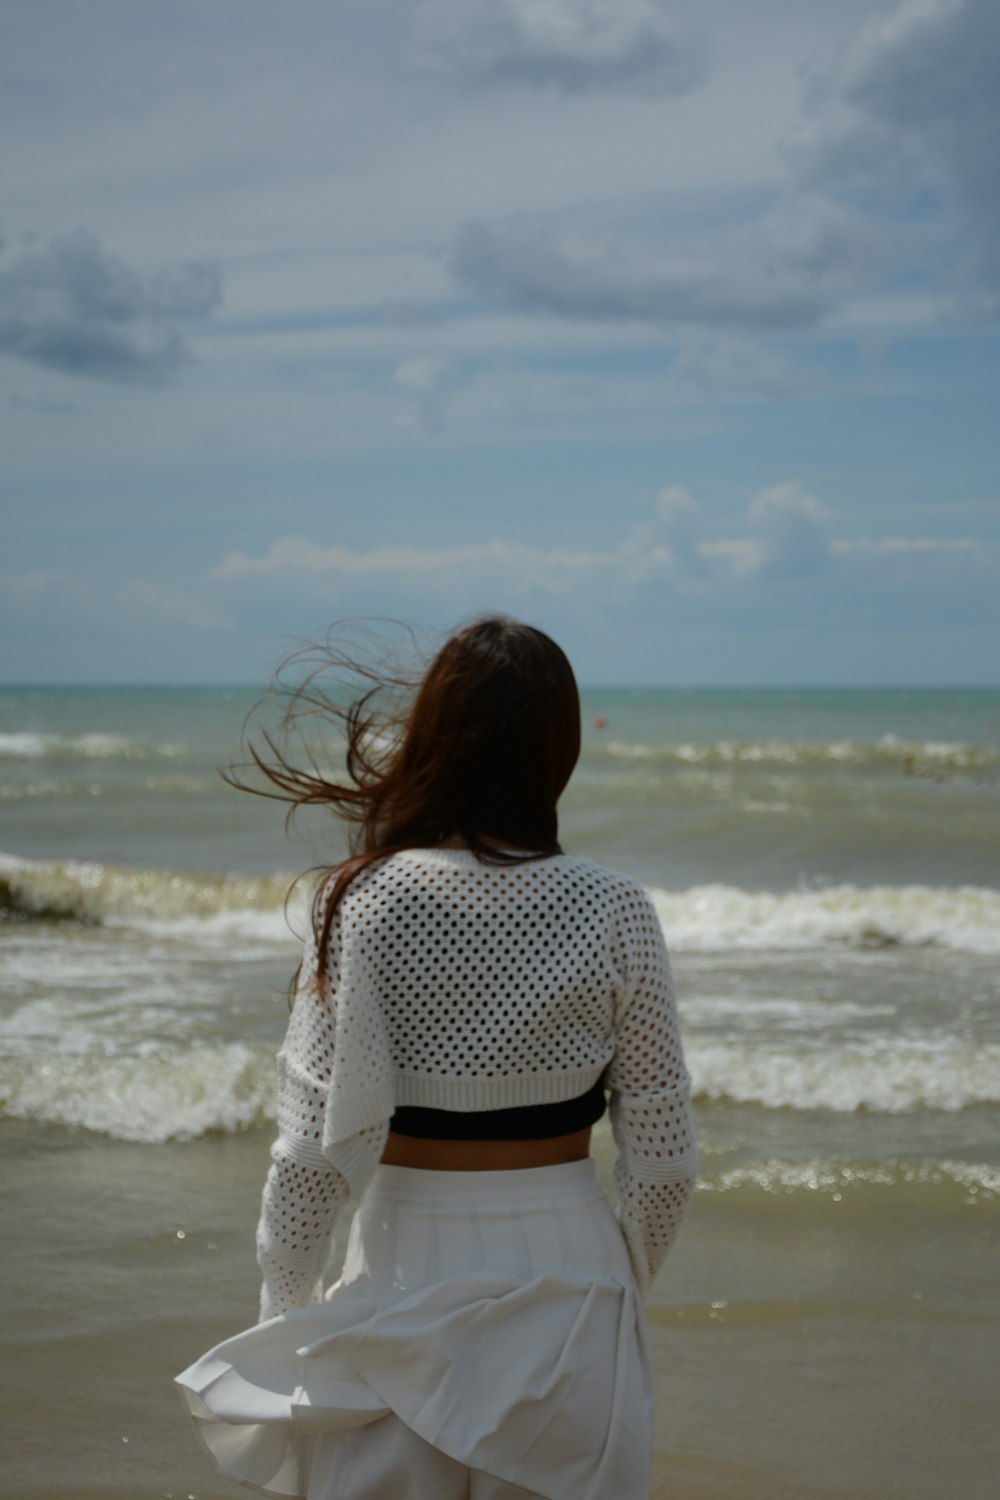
{"points": [[484, 1156]]}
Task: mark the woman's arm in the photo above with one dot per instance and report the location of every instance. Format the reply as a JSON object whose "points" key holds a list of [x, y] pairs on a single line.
{"points": [[304, 1193], [654, 1172]]}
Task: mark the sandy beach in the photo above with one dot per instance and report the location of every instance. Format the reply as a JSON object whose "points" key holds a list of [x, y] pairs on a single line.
{"points": [[801, 1351]]}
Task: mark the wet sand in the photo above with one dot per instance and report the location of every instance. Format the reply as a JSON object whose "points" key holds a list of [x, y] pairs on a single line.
{"points": [[803, 1350]]}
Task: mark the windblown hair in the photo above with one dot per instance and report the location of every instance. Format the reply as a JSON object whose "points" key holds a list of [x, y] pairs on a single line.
{"points": [[481, 746]]}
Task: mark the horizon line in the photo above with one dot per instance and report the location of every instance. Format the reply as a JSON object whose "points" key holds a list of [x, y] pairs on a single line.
{"points": [[587, 687]]}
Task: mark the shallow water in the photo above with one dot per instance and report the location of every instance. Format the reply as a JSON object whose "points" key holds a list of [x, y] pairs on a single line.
{"points": [[827, 870], [803, 1344]]}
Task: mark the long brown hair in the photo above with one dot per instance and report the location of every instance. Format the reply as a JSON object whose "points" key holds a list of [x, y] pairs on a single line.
{"points": [[480, 746]]}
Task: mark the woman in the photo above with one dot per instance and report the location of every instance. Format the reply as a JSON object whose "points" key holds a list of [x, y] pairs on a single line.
{"points": [[469, 999]]}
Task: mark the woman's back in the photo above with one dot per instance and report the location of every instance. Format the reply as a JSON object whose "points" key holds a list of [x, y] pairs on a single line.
{"points": [[497, 984]]}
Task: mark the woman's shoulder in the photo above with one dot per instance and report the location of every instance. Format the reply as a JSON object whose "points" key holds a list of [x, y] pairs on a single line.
{"points": [[447, 873], [462, 869], [614, 883]]}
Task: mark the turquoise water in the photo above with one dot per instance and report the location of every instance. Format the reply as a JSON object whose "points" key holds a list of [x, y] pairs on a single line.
{"points": [[826, 865]]}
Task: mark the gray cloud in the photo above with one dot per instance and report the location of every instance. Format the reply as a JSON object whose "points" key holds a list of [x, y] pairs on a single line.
{"points": [[74, 307], [723, 366], [640, 47], [785, 271], [913, 107]]}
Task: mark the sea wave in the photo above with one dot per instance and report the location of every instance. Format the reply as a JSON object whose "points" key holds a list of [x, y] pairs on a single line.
{"points": [[28, 745], [721, 918], [182, 1093], [164, 900], [701, 919], [889, 1075], [174, 1095], [931, 758]]}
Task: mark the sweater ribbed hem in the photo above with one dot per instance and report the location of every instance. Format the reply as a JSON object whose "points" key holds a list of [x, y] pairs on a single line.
{"points": [[467, 1095]]}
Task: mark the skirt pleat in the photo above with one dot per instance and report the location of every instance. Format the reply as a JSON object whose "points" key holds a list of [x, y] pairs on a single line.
{"points": [[494, 1313]]}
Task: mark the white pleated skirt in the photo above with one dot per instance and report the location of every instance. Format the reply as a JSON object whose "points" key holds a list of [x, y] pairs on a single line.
{"points": [[485, 1339]]}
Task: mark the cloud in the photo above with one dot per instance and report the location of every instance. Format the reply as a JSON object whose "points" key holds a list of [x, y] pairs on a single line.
{"points": [[668, 545], [793, 536], [911, 108], [72, 306], [897, 148], [405, 312], [420, 381], [787, 540], [677, 573], [638, 47], [140, 605], [785, 271], [724, 366], [678, 516], [299, 560]]}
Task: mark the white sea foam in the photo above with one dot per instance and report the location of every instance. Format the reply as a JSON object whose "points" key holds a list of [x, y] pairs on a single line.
{"points": [[908, 756], [722, 918], [170, 1095], [256, 931], [779, 1013], [26, 745], [979, 1180], [889, 1075], [702, 919]]}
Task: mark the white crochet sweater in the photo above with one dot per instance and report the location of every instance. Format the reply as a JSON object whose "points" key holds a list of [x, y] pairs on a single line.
{"points": [[459, 985]]}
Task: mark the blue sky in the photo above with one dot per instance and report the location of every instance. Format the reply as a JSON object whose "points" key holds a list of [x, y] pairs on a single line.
{"points": [[670, 328]]}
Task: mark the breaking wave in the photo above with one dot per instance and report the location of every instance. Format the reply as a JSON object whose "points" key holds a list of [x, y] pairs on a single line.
{"points": [[930, 758], [887, 1075], [165, 1096], [704, 918], [720, 918], [182, 1093], [116, 895]]}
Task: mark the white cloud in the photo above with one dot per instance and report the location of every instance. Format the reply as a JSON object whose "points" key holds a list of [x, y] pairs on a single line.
{"points": [[793, 531], [669, 544], [788, 540], [935, 546], [680, 517], [575, 46], [299, 560]]}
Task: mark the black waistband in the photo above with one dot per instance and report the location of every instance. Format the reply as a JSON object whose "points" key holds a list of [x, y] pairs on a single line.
{"points": [[527, 1122]]}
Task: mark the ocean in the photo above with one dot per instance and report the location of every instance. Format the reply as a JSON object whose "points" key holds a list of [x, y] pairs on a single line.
{"points": [[826, 866]]}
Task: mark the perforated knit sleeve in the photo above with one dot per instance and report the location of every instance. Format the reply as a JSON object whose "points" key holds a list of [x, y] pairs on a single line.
{"points": [[654, 1171], [303, 1193]]}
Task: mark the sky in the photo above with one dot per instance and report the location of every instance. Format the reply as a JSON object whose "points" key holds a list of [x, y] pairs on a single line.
{"points": [[673, 329]]}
